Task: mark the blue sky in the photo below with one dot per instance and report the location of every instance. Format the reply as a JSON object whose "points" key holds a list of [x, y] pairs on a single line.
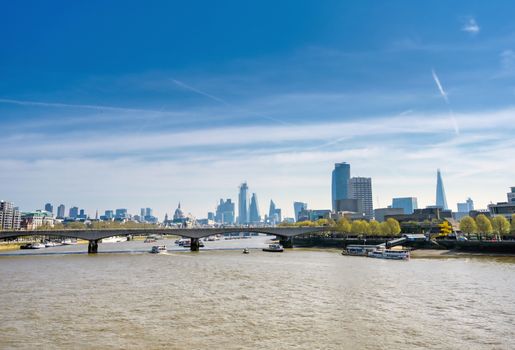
{"points": [[107, 104]]}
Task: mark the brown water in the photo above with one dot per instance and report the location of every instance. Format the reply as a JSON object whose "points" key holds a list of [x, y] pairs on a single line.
{"points": [[301, 299]]}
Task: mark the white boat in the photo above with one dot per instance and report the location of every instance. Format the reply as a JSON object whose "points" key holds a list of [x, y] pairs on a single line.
{"points": [[114, 239], [275, 248], [36, 246], [390, 254], [51, 244], [68, 242], [358, 249], [158, 249]]}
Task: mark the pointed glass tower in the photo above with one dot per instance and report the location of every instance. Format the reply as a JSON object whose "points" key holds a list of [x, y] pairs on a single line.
{"points": [[254, 216], [441, 201]]}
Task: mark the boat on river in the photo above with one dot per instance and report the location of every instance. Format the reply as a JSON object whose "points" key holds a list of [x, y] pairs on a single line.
{"points": [[32, 246], [158, 249], [114, 239], [274, 248], [390, 254], [358, 249], [246, 251]]}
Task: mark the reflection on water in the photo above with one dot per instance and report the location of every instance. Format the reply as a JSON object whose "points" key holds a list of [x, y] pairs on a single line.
{"points": [[224, 299]]}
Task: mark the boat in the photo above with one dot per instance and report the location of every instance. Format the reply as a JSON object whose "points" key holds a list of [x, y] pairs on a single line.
{"points": [[158, 249], [68, 242], [150, 240], [51, 244], [358, 249], [390, 254], [274, 248], [246, 251], [33, 246], [114, 239]]}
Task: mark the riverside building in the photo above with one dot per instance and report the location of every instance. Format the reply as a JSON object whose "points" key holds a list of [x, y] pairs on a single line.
{"points": [[9, 216]]}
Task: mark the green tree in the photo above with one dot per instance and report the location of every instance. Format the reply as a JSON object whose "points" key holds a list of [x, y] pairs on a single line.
{"points": [[393, 226], [359, 227], [343, 225], [375, 228], [468, 225], [484, 225], [500, 225]]}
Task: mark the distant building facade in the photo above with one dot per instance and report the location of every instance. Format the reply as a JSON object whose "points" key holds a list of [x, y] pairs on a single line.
{"points": [[380, 213], [407, 204], [361, 189], [34, 220], [298, 207], [254, 216], [49, 208], [10, 218], [225, 212], [506, 209], [61, 211], [74, 212], [340, 183], [274, 214]]}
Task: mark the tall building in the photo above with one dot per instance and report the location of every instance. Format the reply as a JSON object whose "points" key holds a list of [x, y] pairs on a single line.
{"points": [[121, 214], [243, 204], [511, 195], [149, 212], [9, 216], [340, 183], [407, 204], [60, 211], [49, 208], [74, 212], [441, 201], [298, 207], [254, 216], [225, 212], [361, 189], [142, 212], [274, 214]]}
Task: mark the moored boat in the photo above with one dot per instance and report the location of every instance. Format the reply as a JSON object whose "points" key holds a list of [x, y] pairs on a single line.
{"points": [[358, 250], [114, 239], [390, 254], [274, 248]]}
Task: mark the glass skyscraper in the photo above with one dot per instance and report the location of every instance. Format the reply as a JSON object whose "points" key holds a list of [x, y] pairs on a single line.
{"points": [[254, 216], [243, 204], [441, 201], [298, 207], [340, 182]]}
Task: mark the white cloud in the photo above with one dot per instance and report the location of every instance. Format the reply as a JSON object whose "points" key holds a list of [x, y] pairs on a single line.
{"points": [[471, 26]]}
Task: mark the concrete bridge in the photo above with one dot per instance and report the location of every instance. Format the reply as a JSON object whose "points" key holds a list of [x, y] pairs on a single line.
{"points": [[94, 235]]}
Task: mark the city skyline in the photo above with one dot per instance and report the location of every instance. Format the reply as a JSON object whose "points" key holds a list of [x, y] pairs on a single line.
{"points": [[167, 114]]}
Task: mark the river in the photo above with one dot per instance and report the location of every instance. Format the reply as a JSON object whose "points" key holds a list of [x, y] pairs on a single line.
{"points": [[125, 298]]}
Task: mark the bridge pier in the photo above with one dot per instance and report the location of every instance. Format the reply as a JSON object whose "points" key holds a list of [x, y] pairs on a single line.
{"points": [[286, 242], [93, 246], [194, 247]]}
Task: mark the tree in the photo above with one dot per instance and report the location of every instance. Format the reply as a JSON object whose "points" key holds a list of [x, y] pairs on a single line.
{"points": [[359, 227], [500, 225], [468, 225], [483, 224], [385, 229], [375, 228], [343, 225], [393, 226]]}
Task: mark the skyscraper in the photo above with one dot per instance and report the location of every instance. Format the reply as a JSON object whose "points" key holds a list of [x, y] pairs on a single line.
{"points": [[407, 204], [298, 207], [340, 182], [274, 214], [441, 201], [225, 212], [60, 211], [49, 207], [361, 189], [254, 216], [9, 216], [74, 212], [243, 204]]}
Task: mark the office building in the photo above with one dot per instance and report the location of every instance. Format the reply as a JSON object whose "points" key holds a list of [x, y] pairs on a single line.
{"points": [[407, 204], [511, 195], [74, 212], [465, 207], [340, 183], [441, 200], [225, 212], [121, 214], [274, 214], [210, 216], [298, 207], [380, 213], [506, 209], [34, 220], [243, 204], [254, 216], [60, 211], [349, 205], [360, 188], [49, 208]]}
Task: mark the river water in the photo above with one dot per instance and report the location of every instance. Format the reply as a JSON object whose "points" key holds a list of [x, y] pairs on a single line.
{"points": [[222, 299]]}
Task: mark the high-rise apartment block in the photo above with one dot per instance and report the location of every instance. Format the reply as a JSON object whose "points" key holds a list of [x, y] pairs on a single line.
{"points": [[361, 189], [60, 211], [10, 217]]}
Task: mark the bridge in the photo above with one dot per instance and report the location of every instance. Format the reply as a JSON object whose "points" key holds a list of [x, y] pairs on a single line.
{"points": [[93, 236]]}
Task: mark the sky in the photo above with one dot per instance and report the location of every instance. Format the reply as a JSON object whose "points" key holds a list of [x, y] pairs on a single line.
{"points": [[131, 104]]}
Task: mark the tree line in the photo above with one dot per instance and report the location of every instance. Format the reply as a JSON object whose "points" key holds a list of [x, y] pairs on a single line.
{"points": [[390, 227], [484, 225]]}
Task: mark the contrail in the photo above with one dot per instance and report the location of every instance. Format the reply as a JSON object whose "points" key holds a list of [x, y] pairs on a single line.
{"points": [[446, 99], [67, 105], [222, 101]]}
